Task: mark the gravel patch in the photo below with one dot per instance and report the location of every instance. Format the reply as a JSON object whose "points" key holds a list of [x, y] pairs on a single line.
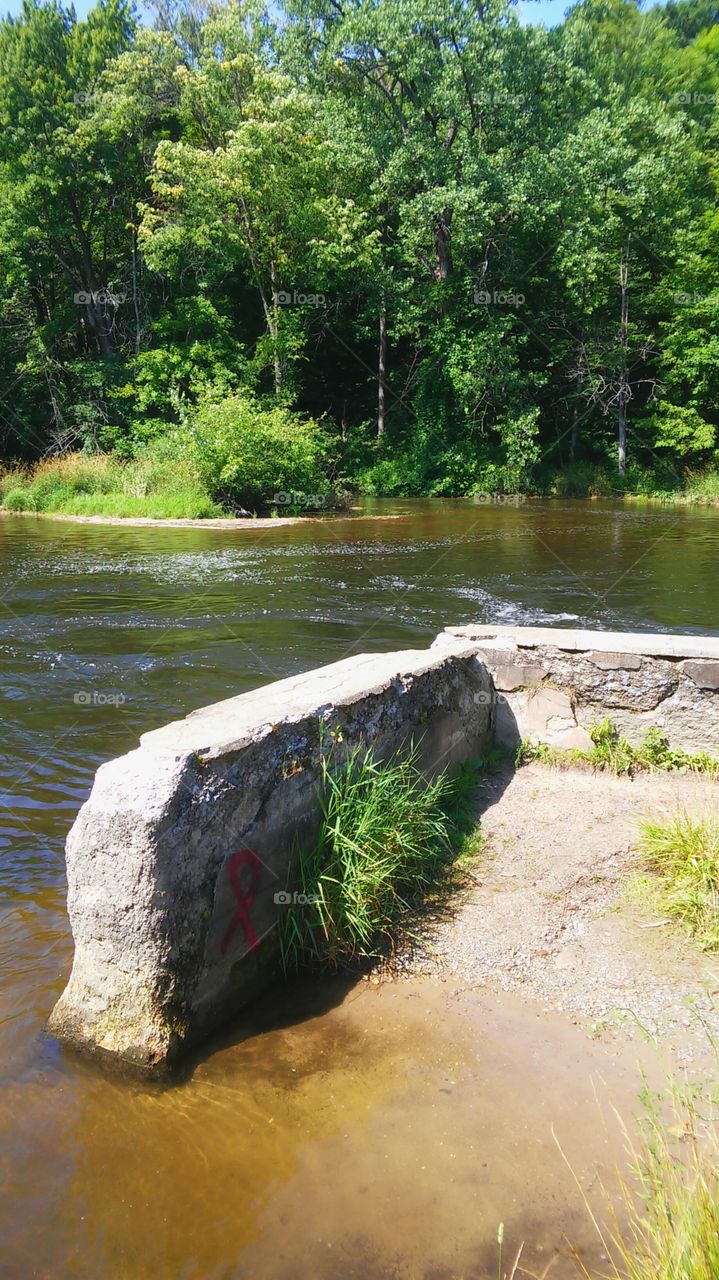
{"points": [[548, 914]]}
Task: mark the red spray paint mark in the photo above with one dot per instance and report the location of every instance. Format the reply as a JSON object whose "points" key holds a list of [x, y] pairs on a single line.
{"points": [[244, 889]]}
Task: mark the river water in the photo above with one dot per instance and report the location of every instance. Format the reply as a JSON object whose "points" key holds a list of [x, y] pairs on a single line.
{"points": [[108, 631]]}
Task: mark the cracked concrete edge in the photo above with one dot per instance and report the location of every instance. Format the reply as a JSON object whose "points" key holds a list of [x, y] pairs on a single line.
{"points": [[649, 644]]}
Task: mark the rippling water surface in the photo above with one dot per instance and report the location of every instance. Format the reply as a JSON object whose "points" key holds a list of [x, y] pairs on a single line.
{"points": [[108, 631]]}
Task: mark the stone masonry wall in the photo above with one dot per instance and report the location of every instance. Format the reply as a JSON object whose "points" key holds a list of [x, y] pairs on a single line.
{"points": [[552, 684]]}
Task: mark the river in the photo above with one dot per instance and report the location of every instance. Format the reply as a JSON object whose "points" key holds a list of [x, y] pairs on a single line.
{"points": [[107, 631]]}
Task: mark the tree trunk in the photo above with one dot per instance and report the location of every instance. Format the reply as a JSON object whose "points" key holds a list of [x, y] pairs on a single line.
{"points": [[98, 308], [574, 434], [622, 442], [442, 244], [623, 375], [274, 327], [135, 298], [382, 369]]}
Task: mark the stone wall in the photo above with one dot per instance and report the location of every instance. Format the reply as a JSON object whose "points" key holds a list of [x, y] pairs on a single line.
{"points": [[552, 684], [175, 861]]}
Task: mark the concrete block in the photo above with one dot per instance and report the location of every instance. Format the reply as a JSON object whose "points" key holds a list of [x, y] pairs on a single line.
{"points": [[175, 861]]}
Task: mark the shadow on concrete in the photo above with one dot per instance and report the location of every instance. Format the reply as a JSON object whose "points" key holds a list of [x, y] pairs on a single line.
{"points": [[289, 1002]]}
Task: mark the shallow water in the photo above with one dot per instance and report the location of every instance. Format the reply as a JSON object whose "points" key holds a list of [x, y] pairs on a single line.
{"points": [[108, 631]]}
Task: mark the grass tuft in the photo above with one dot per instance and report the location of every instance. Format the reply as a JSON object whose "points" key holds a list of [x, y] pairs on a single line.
{"points": [[682, 853], [156, 483], [388, 839], [670, 1204]]}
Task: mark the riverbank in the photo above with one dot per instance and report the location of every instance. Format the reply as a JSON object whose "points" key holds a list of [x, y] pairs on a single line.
{"points": [[276, 521], [208, 522], [663, 483], [161, 487]]}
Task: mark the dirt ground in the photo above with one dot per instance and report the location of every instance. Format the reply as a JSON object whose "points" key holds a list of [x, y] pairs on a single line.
{"points": [[549, 914]]}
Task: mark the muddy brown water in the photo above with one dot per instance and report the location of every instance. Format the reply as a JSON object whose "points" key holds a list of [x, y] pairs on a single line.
{"points": [[331, 1132]]}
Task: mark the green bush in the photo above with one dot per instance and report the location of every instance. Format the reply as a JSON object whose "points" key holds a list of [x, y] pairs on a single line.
{"points": [[19, 500], [246, 454], [681, 431], [578, 480], [429, 466], [602, 480], [395, 477], [703, 486]]}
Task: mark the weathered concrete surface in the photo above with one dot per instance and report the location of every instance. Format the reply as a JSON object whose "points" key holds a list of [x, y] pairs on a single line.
{"points": [[553, 683], [174, 861]]}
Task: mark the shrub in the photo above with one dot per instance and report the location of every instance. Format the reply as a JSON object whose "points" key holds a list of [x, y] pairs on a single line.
{"points": [[19, 500], [703, 485], [395, 477], [681, 431], [245, 454], [578, 480]]}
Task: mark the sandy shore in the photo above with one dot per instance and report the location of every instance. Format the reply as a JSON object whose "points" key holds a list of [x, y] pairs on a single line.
{"points": [[217, 522]]}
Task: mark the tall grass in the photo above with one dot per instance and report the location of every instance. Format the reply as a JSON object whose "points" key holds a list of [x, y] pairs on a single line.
{"points": [[640, 484], [675, 1235], [683, 855], [703, 486], [669, 1203], [602, 480], [156, 483], [387, 837]]}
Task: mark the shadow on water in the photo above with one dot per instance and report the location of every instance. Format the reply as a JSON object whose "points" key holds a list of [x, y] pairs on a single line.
{"points": [[285, 1003]]}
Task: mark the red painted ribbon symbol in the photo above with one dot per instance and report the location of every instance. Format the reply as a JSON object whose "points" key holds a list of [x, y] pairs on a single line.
{"points": [[244, 895]]}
